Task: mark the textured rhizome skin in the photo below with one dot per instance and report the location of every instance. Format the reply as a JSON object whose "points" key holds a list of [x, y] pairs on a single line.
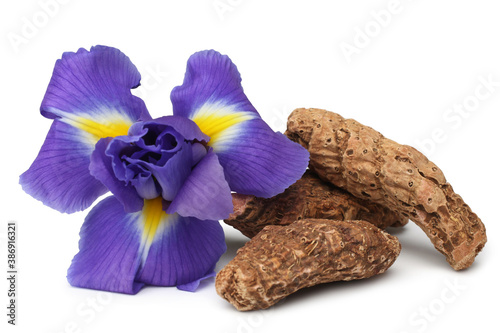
{"points": [[365, 163], [280, 260], [310, 197]]}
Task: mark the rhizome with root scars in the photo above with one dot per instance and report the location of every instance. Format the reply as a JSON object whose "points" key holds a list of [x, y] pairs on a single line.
{"points": [[365, 163], [309, 197], [280, 260]]}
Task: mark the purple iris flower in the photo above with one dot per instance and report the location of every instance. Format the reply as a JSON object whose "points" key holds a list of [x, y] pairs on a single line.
{"points": [[171, 177]]}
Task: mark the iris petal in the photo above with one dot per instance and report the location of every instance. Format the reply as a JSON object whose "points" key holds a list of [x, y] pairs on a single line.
{"points": [[109, 256], [211, 81], [260, 162], [212, 96], [145, 185], [256, 160], [101, 168], [122, 252], [59, 176], [90, 90], [192, 286], [174, 172], [183, 251], [89, 98], [186, 127], [205, 194]]}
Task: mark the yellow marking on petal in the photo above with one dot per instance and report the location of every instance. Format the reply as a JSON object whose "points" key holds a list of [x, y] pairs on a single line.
{"points": [[110, 124], [214, 121], [104, 129], [152, 216]]}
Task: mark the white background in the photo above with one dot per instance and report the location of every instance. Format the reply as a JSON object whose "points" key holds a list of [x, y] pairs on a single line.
{"points": [[406, 74]]}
